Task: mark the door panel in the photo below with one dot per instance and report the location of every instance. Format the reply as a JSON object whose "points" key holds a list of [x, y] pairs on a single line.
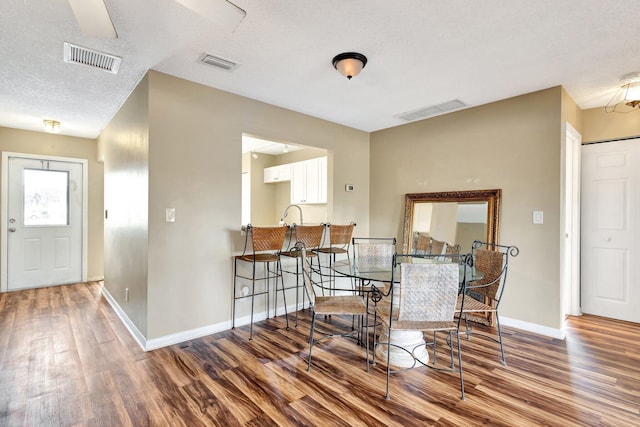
{"points": [[44, 209], [610, 215]]}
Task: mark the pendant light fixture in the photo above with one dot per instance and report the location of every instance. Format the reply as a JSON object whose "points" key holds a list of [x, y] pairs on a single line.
{"points": [[349, 64], [627, 97]]}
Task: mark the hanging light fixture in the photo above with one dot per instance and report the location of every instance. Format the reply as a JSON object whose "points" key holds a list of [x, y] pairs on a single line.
{"points": [[349, 64], [51, 126], [632, 94], [627, 97]]}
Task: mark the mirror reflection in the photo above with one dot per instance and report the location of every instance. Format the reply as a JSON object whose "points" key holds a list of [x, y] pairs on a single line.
{"points": [[454, 223], [450, 221]]}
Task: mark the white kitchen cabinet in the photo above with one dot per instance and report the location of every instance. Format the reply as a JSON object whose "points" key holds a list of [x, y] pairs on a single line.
{"points": [[280, 173], [309, 181]]}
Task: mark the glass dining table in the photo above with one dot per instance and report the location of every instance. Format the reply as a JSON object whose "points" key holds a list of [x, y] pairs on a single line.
{"points": [[379, 275]]}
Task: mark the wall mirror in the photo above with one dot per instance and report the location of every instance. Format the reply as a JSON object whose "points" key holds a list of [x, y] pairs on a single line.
{"points": [[455, 217]]}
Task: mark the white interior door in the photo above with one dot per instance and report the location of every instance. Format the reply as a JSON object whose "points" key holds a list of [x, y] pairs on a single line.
{"points": [[610, 217], [44, 222]]}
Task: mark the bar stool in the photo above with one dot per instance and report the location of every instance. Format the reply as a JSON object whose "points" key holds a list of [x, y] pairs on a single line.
{"points": [[339, 243], [266, 247], [311, 237]]}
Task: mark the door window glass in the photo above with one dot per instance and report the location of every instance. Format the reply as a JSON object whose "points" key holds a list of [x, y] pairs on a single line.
{"points": [[46, 197]]}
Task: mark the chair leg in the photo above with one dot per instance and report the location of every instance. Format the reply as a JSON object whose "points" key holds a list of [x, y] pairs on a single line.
{"points": [[235, 277], [387, 397], [435, 353], [460, 365], [298, 287], [284, 296], [366, 337], [253, 293], [313, 325], [375, 338], [504, 360]]}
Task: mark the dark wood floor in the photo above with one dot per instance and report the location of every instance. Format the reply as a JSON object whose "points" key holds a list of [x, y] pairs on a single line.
{"points": [[66, 360]]}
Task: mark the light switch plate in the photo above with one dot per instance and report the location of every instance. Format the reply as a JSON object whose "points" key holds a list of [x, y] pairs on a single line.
{"points": [[170, 215], [538, 217]]}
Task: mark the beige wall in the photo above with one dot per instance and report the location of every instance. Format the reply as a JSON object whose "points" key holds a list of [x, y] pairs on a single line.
{"points": [[263, 196], [194, 165], [598, 125], [513, 145], [125, 145], [40, 143]]}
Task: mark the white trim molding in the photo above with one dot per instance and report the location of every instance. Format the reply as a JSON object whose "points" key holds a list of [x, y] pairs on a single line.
{"points": [[133, 330], [533, 327]]}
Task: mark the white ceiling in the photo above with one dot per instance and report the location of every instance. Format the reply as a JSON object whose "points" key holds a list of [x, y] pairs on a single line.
{"points": [[421, 53]]}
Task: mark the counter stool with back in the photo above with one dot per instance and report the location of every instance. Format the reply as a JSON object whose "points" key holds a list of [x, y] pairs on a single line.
{"points": [[266, 246], [311, 237], [339, 243]]}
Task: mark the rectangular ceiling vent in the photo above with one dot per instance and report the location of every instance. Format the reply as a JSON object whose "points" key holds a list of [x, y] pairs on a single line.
{"points": [[81, 55], [217, 61], [434, 110]]}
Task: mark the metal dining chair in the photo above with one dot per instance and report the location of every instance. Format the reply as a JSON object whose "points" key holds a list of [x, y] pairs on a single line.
{"points": [[423, 300], [327, 305], [374, 252], [481, 299]]}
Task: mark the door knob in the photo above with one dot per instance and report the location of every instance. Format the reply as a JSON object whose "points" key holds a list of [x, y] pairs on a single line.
{"points": [[12, 229]]}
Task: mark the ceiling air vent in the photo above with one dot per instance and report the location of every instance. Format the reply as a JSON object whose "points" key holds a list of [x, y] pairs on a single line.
{"points": [[81, 55], [216, 61], [434, 110]]}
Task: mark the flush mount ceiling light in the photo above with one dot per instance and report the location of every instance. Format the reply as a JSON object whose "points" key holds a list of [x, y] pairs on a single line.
{"points": [[627, 98], [51, 126], [349, 64]]}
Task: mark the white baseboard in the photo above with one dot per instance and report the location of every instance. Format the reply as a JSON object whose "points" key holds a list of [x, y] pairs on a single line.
{"points": [[183, 336], [133, 330], [95, 278], [191, 334], [533, 327]]}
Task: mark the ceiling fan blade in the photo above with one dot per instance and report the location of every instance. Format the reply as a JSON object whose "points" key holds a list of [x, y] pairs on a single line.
{"points": [[221, 12], [93, 18]]}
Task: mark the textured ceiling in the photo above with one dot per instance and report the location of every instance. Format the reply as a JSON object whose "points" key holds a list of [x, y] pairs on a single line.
{"points": [[421, 53]]}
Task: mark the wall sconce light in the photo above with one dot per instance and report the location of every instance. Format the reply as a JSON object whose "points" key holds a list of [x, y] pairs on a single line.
{"points": [[51, 126], [349, 64]]}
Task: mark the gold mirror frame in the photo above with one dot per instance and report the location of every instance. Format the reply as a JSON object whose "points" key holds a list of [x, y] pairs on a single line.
{"points": [[492, 197]]}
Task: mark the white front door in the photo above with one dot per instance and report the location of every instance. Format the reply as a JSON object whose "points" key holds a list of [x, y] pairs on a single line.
{"points": [[44, 222], [610, 217]]}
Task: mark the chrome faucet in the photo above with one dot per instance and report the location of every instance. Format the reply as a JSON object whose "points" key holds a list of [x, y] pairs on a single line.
{"points": [[286, 211]]}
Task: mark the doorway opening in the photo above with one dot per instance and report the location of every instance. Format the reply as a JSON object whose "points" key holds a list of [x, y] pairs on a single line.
{"points": [[279, 173]]}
